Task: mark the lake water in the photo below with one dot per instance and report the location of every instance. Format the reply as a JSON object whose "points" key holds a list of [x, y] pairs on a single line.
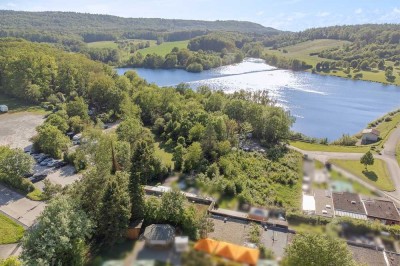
{"points": [[324, 106]]}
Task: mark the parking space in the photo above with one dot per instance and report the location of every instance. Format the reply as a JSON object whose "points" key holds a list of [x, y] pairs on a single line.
{"points": [[63, 176], [17, 128], [276, 240], [19, 207]]}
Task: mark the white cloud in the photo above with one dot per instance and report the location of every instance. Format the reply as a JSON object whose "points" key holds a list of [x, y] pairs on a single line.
{"points": [[396, 10], [323, 14], [358, 11], [260, 13]]}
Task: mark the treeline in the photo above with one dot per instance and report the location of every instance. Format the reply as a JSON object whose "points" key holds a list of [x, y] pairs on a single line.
{"points": [[286, 63], [185, 59]]}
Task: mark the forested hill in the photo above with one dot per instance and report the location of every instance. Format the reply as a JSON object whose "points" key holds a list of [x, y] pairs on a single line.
{"points": [[81, 24]]}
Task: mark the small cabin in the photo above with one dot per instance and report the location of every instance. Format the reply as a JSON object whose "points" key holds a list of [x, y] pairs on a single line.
{"points": [[3, 108], [369, 135]]}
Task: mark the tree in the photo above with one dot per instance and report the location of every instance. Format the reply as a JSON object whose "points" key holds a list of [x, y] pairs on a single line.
{"points": [[205, 225], [193, 157], [59, 236], [115, 210], [129, 130], [172, 207], [78, 107], [10, 261], [317, 249], [51, 190], [367, 159], [178, 157], [58, 121], [50, 140]]}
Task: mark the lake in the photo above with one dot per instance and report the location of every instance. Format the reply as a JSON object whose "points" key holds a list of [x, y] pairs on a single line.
{"points": [[324, 106]]}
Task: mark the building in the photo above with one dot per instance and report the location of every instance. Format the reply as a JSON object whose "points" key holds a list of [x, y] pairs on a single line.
{"points": [[159, 235], [348, 204], [369, 135], [134, 229], [323, 203], [382, 210], [308, 204], [3, 108]]}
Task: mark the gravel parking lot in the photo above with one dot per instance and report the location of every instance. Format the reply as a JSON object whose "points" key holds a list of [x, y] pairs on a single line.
{"points": [[63, 176], [17, 128]]}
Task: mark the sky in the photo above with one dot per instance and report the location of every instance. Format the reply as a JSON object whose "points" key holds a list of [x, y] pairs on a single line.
{"points": [[292, 15]]}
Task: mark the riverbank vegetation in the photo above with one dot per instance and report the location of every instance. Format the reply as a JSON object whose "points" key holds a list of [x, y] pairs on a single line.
{"points": [[377, 174]]}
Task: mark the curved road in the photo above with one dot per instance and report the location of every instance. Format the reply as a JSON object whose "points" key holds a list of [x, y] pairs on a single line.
{"points": [[388, 156]]}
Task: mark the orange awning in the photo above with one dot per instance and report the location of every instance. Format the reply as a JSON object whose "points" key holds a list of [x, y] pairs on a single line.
{"points": [[207, 245], [229, 251], [250, 256]]}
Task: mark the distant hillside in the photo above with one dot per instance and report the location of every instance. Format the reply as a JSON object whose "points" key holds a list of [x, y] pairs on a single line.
{"points": [[80, 23]]}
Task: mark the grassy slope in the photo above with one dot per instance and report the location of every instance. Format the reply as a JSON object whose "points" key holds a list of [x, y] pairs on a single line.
{"points": [[377, 175], [163, 48], [385, 127], [329, 148], [103, 44], [10, 231], [302, 51]]}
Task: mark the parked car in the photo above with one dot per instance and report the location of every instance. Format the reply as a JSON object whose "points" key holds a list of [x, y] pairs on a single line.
{"points": [[37, 178], [45, 161], [60, 164], [27, 175], [51, 163]]}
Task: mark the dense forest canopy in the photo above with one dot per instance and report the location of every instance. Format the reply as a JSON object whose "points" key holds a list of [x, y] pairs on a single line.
{"points": [[91, 27]]}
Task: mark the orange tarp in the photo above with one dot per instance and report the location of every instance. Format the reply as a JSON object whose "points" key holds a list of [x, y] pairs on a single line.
{"points": [[229, 251], [207, 245]]}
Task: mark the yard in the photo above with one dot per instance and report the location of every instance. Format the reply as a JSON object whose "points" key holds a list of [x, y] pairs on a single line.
{"points": [[357, 187], [10, 231], [328, 148], [377, 174], [164, 156]]}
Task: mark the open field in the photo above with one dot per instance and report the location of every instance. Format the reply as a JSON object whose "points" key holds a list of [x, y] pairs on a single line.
{"points": [[377, 174], [103, 44], [15, 105], [10, 231], [329, 148], [302, 52], [163, 48], [398, 152]]}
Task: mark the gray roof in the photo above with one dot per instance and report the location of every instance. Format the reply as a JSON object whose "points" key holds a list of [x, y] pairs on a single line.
{"points": [[367, 256], [348, 202], [159, 232], [382, 209]]}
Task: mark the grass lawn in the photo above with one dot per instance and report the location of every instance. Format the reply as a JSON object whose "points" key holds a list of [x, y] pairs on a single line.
{"points": [[163, 48], [357, 187], [386, 127], [10, 231], [377, 174], [398, 152], [35, 195], [16, 105], [329, 148], [163, 155]]}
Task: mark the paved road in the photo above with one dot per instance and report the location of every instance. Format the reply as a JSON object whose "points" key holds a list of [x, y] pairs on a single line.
{"points": [[18, 207]]}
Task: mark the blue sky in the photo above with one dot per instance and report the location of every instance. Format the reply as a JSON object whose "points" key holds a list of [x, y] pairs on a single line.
{"points": [[291, 15]]}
